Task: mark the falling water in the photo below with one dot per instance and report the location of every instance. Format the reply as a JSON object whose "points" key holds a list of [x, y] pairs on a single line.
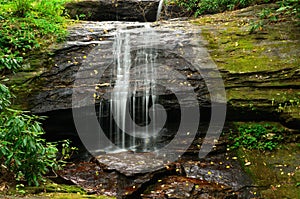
{"points": [[160, 5], [133, 95], [121, 89]]}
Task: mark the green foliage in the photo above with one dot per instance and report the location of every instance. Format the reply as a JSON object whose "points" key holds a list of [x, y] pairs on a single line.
{"points": [[22, 7], [269, 16], [289, 105], [190, 6], [257, 136], [215, 6], [288, 7], [28, 25], [23, 152], [199, 7], [9, 63], [5, 97]]}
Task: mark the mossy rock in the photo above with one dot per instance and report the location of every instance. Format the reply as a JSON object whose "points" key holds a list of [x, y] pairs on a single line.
{"points": [[261, 71], [276, 174]]}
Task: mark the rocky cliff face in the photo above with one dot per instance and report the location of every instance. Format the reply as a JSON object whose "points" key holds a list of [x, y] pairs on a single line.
{"points": [[102, 10], [89, 51], [186, 76]]}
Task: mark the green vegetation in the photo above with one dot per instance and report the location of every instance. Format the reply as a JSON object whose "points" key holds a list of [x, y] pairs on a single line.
{"points": [[28, 25], [52, 190], [273, 15], [234, 50], [199, 7], [24, 154], [257, 136]]}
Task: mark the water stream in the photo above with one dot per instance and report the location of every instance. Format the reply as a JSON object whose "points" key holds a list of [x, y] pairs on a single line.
{"points": [[160, 5], [132, 121]]}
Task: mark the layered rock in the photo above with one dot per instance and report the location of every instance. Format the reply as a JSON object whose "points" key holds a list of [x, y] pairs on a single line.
{"points": [[102, 10], [89, 51]]}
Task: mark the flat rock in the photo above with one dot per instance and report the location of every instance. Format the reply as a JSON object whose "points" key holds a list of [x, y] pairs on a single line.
{"points": [[131, 164]]}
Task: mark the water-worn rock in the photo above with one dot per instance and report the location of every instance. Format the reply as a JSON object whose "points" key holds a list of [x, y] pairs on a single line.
{"points": [[86, 64], [131, 164], [103, 10], [142, 175], [178, 49]]}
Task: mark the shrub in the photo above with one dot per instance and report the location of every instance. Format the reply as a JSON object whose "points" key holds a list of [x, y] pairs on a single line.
{"points": [[28, 25], [22, 7], [5, 97], [257, 136], [199, 7], [22, 150], [285, 8]]}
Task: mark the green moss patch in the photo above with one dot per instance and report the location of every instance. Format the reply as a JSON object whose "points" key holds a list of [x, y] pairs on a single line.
{"points": [[236, 50], [53, 191], [276, 174]]}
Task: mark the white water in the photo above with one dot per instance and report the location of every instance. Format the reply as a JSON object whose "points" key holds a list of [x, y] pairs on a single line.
{"points": [[121, 89], [160, 5], [134, 96]]}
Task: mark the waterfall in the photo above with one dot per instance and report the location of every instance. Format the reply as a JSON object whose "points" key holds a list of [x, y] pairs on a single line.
{"points": [[121, 89], [160, 5], [133, 95]]}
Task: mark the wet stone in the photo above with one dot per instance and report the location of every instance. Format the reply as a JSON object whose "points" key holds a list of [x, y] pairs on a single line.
{"points": [[91, 177], [182, 187], [144, 175], [86, 59], [221, 168], [130, 164]]}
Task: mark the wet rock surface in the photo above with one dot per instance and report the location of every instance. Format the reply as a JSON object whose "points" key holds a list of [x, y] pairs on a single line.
{"points": [[257, 95], [131, 164], [125, 175], [122, 10], [182, 187], [179, 48], [91, 177], [148, 175]]}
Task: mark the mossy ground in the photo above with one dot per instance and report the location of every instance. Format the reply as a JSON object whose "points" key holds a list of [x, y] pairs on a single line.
{"points": [[276, 174], [59, 196], [51, 190]]}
